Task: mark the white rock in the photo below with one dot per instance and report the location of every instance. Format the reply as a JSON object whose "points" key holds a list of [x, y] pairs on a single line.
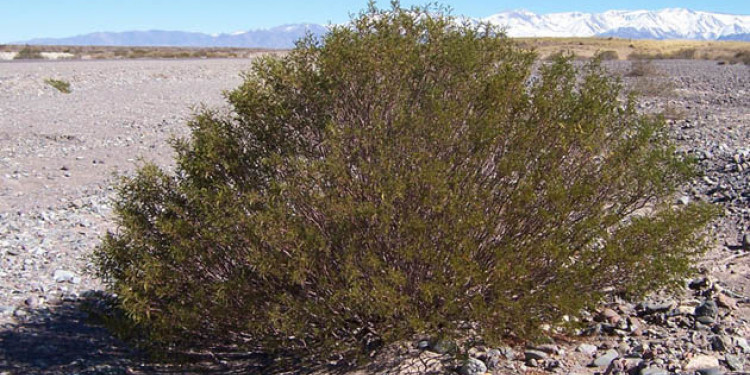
{"points": [[700, 362], [62, 276]]}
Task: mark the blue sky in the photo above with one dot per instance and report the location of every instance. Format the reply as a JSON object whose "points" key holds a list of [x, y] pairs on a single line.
{"points": [[26, 19]]}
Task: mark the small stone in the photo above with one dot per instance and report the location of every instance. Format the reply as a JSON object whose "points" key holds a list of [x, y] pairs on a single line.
{"points": [[62, 276], [721, 343], [707, 308], [443, 347], [493, 358], [741, 342], [734, 362], [20, 313], [548, 348], [535, 354], [725, 301], [32, 302], [746, 242], [587, 349], [702, 362], [609, 316], [605, 359], [423, 344], [706, 320], [532, 363], [699, 283], [653, 371], [652, 307], [473, 366], [710, 371], [508, 353]]}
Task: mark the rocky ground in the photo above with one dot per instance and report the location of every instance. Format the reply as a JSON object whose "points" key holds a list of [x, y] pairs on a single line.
{"points": [[59, 153]]}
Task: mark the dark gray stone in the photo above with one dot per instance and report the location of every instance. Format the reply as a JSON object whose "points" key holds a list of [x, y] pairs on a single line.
{"points": [[707, 308], [710, 371], [535, 354], [721, 343]]}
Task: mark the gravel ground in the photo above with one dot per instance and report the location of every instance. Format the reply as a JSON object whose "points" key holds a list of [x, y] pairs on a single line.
{"points": [[59, 153]]}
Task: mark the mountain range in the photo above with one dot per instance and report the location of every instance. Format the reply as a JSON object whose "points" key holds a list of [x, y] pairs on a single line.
{"points": [[673, 23]]}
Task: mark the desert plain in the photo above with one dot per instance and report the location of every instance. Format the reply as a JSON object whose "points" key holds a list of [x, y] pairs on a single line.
{"points": [[60, 154]]}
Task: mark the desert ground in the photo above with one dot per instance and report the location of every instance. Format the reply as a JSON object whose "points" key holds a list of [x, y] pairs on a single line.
{"points": [[60, 154]]}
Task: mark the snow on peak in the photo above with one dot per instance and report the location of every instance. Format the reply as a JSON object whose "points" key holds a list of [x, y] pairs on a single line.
{"points": [[665, 23]]}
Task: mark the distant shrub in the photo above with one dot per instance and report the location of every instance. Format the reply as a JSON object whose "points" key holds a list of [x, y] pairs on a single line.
{"points": [[27, 53], [649, 86], [671, 112], [684, 53], [402, 175], [741, 57], [608, 55], [60, 85], [642, 68]]}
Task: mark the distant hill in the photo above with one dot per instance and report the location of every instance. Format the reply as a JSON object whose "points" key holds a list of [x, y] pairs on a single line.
{"points": [[673, 23], [277, 37], [741, 37]]}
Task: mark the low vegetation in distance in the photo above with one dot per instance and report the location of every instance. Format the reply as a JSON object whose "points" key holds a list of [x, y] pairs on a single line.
{"points": [[608, 48], [117, 52], [61, 85], [633, 49]]}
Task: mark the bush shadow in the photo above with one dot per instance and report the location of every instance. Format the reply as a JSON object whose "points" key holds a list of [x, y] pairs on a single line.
{"points": [[68, 339]]}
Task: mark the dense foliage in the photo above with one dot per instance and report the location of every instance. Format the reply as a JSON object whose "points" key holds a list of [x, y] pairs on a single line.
{"points": [[402, 175]]}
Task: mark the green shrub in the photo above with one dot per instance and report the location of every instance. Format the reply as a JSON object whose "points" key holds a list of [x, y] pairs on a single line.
{"points": [[60, 85], [401, 176]]}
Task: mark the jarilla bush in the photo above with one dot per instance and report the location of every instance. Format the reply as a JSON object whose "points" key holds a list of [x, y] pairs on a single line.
{"points": [[401, 175]]}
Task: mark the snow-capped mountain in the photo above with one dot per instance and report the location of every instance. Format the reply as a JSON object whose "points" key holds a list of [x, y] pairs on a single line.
{"points": [[673, 23]]}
